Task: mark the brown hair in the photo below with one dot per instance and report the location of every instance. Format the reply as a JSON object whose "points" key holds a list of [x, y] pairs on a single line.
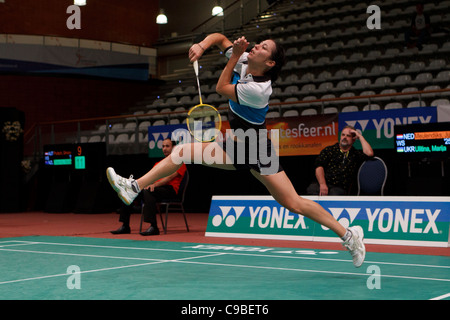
{"points": [[279, 57]]}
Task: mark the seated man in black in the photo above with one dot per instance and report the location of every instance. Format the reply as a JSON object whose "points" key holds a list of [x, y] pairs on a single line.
{"points": [[337, 165], [164, 188]]}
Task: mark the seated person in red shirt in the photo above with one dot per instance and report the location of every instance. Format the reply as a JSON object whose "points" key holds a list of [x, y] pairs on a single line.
{"points": [[162, 189], [337, 165]]}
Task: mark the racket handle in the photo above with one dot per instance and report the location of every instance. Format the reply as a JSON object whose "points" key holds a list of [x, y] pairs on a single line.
{"points": [[198, 82], [196, 67]]}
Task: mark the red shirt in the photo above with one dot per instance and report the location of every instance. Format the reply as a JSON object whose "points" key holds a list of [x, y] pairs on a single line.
{"points": [[175, 182]]}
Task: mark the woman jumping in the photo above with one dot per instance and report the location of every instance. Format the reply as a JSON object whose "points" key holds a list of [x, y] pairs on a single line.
{"points": [[247, 82]]}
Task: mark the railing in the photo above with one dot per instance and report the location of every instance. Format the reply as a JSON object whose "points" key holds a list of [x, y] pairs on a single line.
{"points": [[70, 131], [47, 40], [55, 41]]}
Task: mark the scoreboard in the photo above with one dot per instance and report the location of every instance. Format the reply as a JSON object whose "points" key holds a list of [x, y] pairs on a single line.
{"points": [[427, 140], [72, 178], [79, 156]]}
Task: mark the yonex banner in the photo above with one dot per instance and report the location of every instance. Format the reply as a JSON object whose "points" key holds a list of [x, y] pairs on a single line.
{"points": [[308, 135], [378, 126], [157, 134], [419, 221]]}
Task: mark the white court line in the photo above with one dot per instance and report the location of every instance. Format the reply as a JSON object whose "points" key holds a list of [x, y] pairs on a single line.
{"points": [[313, 271], [17, 244], [241, 254], [441, 297], [182, 260], [79, 255], [6, 241], [104, 269]]}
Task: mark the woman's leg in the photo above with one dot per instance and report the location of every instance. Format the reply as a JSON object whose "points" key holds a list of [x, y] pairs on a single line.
{"points": [[282, 190], [199, 153], [284, 193], [210, 154]]}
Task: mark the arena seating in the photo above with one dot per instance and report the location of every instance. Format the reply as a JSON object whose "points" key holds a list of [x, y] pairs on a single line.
{"points": [[331, 53]]}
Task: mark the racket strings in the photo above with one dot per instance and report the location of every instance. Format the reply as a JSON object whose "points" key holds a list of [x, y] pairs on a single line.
{"points": [[204, 123]]}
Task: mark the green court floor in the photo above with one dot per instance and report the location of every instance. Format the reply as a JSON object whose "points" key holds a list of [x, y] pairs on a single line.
{"points": [[42, 267]]}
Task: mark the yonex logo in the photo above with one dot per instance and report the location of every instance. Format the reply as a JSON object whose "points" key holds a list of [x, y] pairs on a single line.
{"points": [[358, 124], [261, 217], [384, 127], [158, 138], [229, 216], [409, 220], [344, 219]]}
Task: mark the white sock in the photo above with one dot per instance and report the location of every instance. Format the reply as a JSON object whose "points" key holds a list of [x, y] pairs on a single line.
{"points": [[135, 186], [347, 236]]}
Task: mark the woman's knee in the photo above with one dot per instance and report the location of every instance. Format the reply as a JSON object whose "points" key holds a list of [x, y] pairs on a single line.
{"points": [[199, 153], [293, 204], [182, 153]]}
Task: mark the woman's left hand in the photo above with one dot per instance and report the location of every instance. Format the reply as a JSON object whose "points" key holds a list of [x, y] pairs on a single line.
{"points": [[240, 45]]}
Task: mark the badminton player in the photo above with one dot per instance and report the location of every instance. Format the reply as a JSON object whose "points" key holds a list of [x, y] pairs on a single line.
{"points": [[246, 81]]}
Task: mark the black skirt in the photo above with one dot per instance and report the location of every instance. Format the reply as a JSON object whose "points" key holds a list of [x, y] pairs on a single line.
{"points": [[249, 147]]}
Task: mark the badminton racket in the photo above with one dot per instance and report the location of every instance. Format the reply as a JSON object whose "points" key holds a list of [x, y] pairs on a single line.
{"points": [[203, 120]]}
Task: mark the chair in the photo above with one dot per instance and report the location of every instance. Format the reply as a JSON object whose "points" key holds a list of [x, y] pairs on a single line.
{"points": [[443, 76], [290, 113], [290, 91], [381, 82], [177, 202], [393, 105], [439, 102], [143, 126], [391, 53], [350, 109], [290, 79], [116, 127], [416, 103], [291, 51], [272, 114], [371, 107], [159, 122], [436, 65], [324, 87], [329, 110], [309, 112], [362, 84], [342, 85], [422, 78], [95, 138], [372, 177], [395, 68]]}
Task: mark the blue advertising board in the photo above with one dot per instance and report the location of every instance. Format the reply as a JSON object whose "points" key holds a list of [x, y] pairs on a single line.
{"points": [[378, 126]]}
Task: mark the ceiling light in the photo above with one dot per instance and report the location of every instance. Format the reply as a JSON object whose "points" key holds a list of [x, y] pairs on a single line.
{"points": [[217, 11], [161, 18]]}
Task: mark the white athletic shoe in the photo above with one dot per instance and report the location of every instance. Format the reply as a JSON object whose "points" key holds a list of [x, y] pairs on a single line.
{"points": [[356, 246], [127, 189]]}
